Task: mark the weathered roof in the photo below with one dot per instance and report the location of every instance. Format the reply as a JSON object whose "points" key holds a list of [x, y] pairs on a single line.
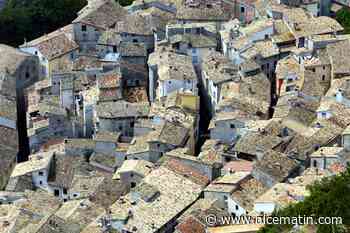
{"points": [[277, 165], [339, 55], [215, 13], [141, 167], [54, 44], [36, 162], [315, 26], [248, 192], [138, 23], [175, 194], [173, 134], [172, 65], [101, 13], [120, 109]]}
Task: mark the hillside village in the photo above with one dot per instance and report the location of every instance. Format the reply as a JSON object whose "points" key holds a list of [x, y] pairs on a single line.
{"points": [[147, 118]]}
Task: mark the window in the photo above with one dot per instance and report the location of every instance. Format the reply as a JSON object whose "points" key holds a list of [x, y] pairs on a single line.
{"points": [[56, 192], [114, 49], [64, 191], [242, 9], [323, 114], [83, 28], [133, 184], [36, 52], [315, 163], [40, 182], [323, 77], [135, 40], [232, 126], [266, 36], [27, 75], [132, 124], [131, 174], [313, 70], [41, 173], [324, 67], [225, 197], [237, 207]]}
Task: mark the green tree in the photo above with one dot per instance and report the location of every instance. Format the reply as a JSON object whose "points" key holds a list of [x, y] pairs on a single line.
{"points": [[29, 19], [328, 198], [343, 17]]}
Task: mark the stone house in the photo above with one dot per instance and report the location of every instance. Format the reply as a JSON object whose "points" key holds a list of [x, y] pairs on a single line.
{"points": [[95, 18], [55, 51], [274, 167], [170, 72], [119, 116], [133, 171], [325, 157]]}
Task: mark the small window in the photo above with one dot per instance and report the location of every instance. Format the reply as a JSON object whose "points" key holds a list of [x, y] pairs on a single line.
{"points": [[114, 49], [57, 192], [40, 182], [133, 184], [323, 77], [132, 124], [232, 126], [27, 75], [131, 174], [75, 195], [83, 28], [313, 70], [242, 9], [266, 36], [64, 191], [237, 207], [315, 163], [41, 173], [135, 40], [324, 67]]}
